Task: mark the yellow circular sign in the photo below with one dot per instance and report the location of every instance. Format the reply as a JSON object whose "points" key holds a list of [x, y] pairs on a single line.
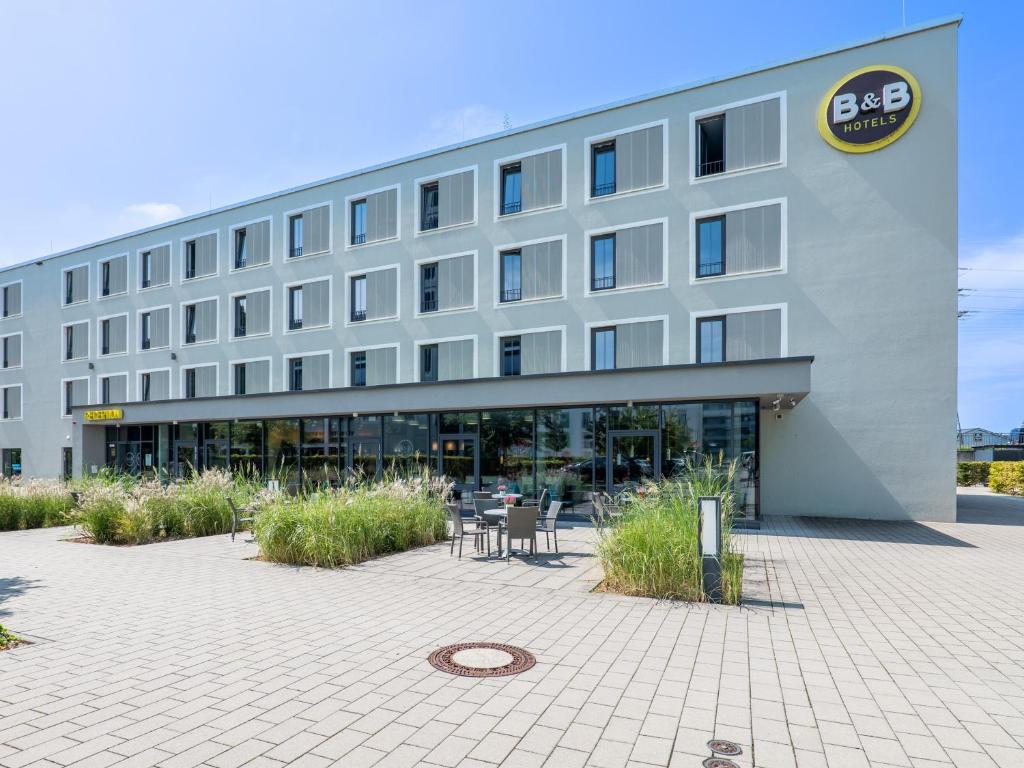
{"points": [[869, 108]]}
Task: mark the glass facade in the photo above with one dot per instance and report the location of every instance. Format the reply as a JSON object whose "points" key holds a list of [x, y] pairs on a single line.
{"points": [[568, 451]]}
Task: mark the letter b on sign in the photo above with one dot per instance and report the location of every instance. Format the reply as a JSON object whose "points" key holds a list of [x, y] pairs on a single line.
{"points": [[895, 96], [844, 107]]}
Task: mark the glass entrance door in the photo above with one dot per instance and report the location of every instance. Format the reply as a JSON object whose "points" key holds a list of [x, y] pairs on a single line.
{"points": [[215, 454], [184, 460], [459, 461], [366, 458], [632, 458]]}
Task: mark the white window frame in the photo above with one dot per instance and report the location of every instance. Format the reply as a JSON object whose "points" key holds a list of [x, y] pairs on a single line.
{"points": [[181, 252], [127, 335], [195, 366], [589, 326], [288, 259], [427, 342], [63, 342], [418, 184], [349, 199], [138, 328], [241, 361], [366, 348], [127, 275], [287, 358], [63, 400], [418, 282], [63, 273], [691, 160], [501, 162], [231, 245], [496, 291], [127, 385], [138, 383], [231, 314], [330, 305], [590, 234], [7, 336], [181, 321], [20, 387], [499, 335], [22, 284], [783, 267], [590, 141], [348, 296], [724, 311], [170, 266]]}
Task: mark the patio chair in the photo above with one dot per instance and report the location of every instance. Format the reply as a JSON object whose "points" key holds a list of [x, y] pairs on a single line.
{"points": [[549, 523], [482, 495], [462, 528], [522, 525], [541, 501], [243, 515]]}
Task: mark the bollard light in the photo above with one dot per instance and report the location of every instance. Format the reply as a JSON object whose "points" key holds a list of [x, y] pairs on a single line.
{"points": [[709, 537]]}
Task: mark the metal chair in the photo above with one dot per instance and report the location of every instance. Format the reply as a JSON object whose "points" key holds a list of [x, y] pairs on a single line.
{"points": [[463, 528], [521, 524], [481, 495], [549, 523], [541, 501], [244, 515]]}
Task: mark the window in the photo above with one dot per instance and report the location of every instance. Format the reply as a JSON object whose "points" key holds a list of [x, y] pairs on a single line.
{"points": [[105, 278], [358, 222], [76, 341], [358, 369], [12, 300], [710, 145], [295, 374], [69, 397], [105, 338], [146, 331], [240, 379], [105, 390], [429, 195], [295, 234], [147, 268], [145, 385], [190, 383], [511, 189], [711, 340], [603, 169], [511, 356], [428, 362], [11, 351], [241, 248], [511, 276], [295, 308], [69, 287], [9, 401], [190, 324], [358, 298], [240, 304], [711, 247], [603, 349], [602, 263], [428, 288], [190, 259]]}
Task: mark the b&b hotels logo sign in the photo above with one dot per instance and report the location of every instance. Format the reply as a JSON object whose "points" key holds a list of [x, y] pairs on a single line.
{"points": [[869, 109]]}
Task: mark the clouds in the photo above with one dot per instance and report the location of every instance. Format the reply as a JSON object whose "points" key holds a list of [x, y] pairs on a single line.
{"points": [[142, 215]]}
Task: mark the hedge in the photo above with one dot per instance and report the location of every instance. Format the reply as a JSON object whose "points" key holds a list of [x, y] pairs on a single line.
{"points": [[1007, 477], [972, 472]]}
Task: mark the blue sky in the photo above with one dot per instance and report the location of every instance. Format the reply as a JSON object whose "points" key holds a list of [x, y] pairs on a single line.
{"points": [[118, 115]]}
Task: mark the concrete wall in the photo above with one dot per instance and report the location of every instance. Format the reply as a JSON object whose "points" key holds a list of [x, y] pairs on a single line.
{"points": [[870, 283]]}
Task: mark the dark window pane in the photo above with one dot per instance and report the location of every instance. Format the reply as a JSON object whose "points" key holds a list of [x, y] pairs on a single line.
{"points": [[602, 262], [428, 362], [428, 206], [603, 169], [711, 146], [511, 356], [711, 340], [511, 276], [358, 222], [604, 349], [511, 189], [428, 288], [358, 369], [711, 247], [506, 450]]}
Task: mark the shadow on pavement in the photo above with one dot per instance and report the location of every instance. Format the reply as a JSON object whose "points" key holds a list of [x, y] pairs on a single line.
{"points": [[981, 508], [14, 586], [885, 531]]}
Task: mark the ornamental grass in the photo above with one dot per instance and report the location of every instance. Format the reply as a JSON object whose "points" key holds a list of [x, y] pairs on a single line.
{"points": [[33, 504]]}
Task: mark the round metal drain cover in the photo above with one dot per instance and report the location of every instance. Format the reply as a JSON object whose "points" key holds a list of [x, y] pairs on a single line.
{"points": [[719, 762], [481, 659], [723, 747]]}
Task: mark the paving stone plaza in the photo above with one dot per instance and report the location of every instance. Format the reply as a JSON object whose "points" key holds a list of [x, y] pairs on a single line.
{"points": [[859, 644]]}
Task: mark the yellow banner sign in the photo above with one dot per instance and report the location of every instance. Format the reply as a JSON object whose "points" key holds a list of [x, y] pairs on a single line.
{"points": [[109, 414]]}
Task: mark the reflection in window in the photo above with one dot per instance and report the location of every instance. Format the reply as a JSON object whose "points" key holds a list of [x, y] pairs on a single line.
{"points": [[511, 356], [603, 169], [711, 340], [511, 189], [358, 222], [602, 265], [428, 206], [511, 276], [711, 247], [603, 353]]}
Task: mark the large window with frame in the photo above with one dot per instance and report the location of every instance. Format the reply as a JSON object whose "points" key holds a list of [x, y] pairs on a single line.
{"points": [[511, 276], [358, 373], [358, 299], [602, 169], [296, 234], [602, 262], [429, 210], [358, 222], [428, 287], [511, 189], [241, 248], [710, 145], [295, 308], [428, 362], [711, 339], [602, 342], [241, 303], [711, 246], [511, 356], [295, 374]]}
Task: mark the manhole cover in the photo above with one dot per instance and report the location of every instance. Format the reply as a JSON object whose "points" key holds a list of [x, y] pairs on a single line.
{"points": [[723, 747], [719, 762], [481, 659]]}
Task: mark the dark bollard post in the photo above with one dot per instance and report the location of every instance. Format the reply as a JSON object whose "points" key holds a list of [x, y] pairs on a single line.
{"points": [[709, 538]]}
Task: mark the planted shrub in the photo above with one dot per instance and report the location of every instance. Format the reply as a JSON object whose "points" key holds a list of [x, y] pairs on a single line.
{"points": [[33, 504], [1007, 477], [7, 638], [972, 473], [332, 528], [652, 551]]}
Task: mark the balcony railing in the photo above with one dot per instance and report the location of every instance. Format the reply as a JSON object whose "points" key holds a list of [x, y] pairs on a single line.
{"points": [[600, 190], [429, 221], [511, 294], [295, 252], [358, 315], [710, 269], [513, 206], [602, 283], [359, 238], [710, 168], [428, 305]]}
